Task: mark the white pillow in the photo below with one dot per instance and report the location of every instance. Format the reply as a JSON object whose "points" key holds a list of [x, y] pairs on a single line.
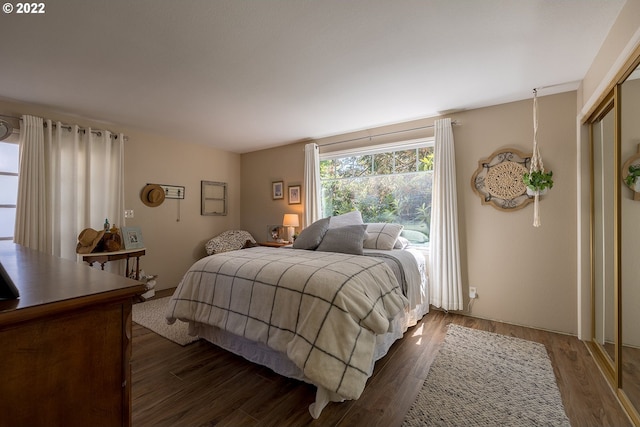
{"points": [[401, 243], [350, 218], [382, 235]]}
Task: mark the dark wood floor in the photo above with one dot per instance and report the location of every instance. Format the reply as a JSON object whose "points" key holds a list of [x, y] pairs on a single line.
{"points": [[201, 385]]}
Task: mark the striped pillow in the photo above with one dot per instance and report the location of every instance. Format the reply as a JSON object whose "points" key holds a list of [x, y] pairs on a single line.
{"points": [[382, 235]]}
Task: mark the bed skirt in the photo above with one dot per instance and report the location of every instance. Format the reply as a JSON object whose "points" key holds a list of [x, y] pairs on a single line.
{"points": [[278, 362]]}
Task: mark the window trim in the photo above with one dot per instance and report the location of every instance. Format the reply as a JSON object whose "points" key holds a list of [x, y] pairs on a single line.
{"points": [[414, 144], [382, 148]]}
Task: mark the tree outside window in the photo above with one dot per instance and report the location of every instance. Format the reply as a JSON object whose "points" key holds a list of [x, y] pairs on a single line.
{"points": [[389, 186]]}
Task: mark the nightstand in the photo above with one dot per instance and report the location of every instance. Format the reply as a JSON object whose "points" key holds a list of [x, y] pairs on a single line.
{"points": [[274, 244]]}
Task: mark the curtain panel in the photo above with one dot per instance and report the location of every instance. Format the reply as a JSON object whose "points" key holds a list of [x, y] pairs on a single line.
{"points": [[445, 281], [312, 207], [84, 175], [33, 216]]}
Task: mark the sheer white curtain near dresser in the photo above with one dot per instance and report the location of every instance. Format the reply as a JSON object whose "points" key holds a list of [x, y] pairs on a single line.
{"points": [[312, 199], [445, 281], [84, 174]]}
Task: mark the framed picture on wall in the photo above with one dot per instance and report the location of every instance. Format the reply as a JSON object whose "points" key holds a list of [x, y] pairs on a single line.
{"points": [[132, 237], [294, 195], [277, 190]]}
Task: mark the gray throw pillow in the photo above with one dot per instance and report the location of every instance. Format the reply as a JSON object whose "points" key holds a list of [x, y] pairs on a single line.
{"points": [[347, 240], [349, 218], [310, 237]]}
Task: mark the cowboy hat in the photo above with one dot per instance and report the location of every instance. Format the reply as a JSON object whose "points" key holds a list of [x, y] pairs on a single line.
{"points": [[152, 195], [88, 239]]}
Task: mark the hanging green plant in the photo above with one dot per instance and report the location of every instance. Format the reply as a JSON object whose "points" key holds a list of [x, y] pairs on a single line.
{"points": [[634, 173], [538, 180]]}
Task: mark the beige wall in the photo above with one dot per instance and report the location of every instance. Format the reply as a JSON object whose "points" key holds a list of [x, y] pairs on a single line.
{"points": [[524, 275], [172, 246], [259, 170], [615, 50]]}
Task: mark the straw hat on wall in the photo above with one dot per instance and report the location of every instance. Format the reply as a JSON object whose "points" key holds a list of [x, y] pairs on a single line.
{"points": [[152, 195]]}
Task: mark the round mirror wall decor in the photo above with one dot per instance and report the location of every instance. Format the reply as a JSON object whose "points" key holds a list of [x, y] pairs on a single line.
{"points": [[498, 180], [631, 174], [5, 129]]}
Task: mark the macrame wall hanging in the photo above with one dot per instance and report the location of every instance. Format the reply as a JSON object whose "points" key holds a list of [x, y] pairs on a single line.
{"points": [[509, 179], [537, 180]]}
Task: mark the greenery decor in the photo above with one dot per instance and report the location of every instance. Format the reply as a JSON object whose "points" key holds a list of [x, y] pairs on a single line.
{"points": [[634, 173], [538, 180], [392, 186]]}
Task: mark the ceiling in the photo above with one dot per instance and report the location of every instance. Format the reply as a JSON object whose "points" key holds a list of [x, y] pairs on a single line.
{"points": [[243, 75]]}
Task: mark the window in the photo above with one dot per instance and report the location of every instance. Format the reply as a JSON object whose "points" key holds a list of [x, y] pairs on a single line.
{"points": [[386, 184], [9, 152]]}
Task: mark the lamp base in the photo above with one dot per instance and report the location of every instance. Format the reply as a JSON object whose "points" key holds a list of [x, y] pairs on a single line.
{"points": [[290, 233]]}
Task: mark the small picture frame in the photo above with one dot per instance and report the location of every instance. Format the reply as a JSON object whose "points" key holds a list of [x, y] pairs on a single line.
{"points": [[275, 233], [132, 238], [277, 190], [294, 195]]}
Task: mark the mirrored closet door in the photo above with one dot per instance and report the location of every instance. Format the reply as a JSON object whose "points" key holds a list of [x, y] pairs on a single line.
{"points": [[630, 236], [615, 237], [602, 232]]}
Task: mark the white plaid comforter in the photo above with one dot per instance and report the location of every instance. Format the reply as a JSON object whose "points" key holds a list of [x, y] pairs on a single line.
{"points": [[322, 309]]}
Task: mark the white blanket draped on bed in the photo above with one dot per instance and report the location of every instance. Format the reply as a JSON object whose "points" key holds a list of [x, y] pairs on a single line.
{"points": [[322, 309]]}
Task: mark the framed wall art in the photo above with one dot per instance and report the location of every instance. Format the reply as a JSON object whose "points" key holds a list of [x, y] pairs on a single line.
{"points": [[213, 198], [277, 190], [294, 195]]}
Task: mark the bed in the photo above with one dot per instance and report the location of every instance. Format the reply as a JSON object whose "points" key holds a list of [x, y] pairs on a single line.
{"points": [[318, 316]]}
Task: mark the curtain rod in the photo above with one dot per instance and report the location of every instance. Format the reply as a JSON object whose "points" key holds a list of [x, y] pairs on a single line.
{"points": [[454, 122], [84, 130], [556, 85], [69, 127], [10, 117]]}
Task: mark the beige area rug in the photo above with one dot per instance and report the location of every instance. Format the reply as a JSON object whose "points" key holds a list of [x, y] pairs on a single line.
{"points": [[151, 315], [484, 379]]}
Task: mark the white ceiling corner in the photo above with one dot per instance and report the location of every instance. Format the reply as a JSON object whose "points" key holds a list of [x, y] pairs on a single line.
{"points": [[243, 75]]}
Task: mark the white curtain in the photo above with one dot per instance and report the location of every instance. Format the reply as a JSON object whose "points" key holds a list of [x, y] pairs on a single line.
{"points": [[33, 225], [446, 285], [84, 173], [312, 209]]}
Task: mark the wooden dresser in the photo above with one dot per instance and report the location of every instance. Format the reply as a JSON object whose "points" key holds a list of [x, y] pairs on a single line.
{"points": [[65, 344]]}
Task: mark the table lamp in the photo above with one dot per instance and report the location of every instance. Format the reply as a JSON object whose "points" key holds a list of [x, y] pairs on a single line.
{"points": [[290, 221]]}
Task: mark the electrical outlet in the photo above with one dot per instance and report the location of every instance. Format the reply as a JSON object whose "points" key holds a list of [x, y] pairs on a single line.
{"points": [[128, 213], [473, 294]]}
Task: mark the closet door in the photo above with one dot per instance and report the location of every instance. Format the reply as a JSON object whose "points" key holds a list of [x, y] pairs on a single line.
{"points": [[603, 278], [630, 239], [615, 238]]}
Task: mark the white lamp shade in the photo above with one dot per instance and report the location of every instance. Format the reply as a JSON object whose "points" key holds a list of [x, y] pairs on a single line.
{"points": [[290, 220]]}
